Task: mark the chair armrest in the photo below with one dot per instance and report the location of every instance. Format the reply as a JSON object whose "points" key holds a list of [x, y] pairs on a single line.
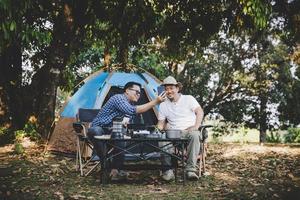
{"points": [[78, 127], [204, 127], [204, 132]]}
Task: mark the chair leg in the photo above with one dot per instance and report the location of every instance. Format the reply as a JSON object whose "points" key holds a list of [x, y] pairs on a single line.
{"points": [[199, 168], [200, 161], [204, 157], [92, 169], [84, 149], [79, 155]]}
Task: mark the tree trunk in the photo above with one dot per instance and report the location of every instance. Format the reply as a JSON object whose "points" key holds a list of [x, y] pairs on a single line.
{"points": [[17, 102], [123, 51], [107, 57], [47, 79], [263, 119]]}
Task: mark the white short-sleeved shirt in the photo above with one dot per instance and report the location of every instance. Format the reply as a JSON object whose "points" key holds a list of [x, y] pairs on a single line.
{"points": [[180, 114]]}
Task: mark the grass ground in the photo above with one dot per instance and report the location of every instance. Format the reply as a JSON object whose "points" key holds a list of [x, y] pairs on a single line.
{"points": [[248, 171]]}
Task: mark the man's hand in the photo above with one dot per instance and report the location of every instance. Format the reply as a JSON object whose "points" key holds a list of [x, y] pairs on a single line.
{"points": [[161, 124], [192, 128], [162, 97]]}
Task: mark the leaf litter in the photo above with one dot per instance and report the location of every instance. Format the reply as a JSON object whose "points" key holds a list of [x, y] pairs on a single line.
{"points": [[234, 171]]}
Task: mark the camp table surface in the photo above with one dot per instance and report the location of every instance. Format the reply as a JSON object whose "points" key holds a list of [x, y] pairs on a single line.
{"points": [[177, 156]]}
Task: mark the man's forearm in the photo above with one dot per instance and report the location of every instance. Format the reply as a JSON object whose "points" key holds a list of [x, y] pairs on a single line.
{"points": [[199, 117], [147, 106], [161, 124]]}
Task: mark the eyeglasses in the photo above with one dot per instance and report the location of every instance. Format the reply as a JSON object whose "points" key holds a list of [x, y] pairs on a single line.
{"points": [[137, 92]]}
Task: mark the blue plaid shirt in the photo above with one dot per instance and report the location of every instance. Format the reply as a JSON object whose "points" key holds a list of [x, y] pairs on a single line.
{"points": [[117, 106]]}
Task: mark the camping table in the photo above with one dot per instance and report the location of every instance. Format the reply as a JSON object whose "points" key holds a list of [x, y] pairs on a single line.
{"points": [[176, 156]]}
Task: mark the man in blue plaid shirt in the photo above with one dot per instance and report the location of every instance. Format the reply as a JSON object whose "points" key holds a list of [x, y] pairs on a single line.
{"points": [[119, 106]]}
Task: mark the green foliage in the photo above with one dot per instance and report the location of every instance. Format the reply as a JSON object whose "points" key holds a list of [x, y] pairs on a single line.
{"points": [[148, 59], [6, 135], [17, 23], [293, 135], [19, 149], [30, 130], [273, 137], [263, 83], [259, 11], [224, 128], [289, 106], [3, 131], [69, 80], [86, 62], [19, 135], [197, 73]]}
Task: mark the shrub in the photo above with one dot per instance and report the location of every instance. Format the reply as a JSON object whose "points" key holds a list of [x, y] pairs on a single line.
{"points": [[19, 135], [30, 129], [293, 135], [274, 137], [19, 149]]}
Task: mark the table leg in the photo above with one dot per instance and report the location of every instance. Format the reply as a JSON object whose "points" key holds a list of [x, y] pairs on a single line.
{"points": [[104, 170], [183, 163], [175, 163], [176, 170]]}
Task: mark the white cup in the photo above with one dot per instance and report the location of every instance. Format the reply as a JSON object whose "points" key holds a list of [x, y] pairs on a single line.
{"points": [[125, 121]]}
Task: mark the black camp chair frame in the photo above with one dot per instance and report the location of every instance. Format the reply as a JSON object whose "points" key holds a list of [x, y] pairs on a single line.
{"points": [[201, 159], [84, 118], [203, 150]]}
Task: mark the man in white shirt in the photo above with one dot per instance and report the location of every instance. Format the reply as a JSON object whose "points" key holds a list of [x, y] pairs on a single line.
{"points": [[181, 112]]}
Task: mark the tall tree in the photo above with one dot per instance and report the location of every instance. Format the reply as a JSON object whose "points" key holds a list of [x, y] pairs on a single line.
{"points": [[26, 27], [22, 27], [66, 22], [289, 107]]}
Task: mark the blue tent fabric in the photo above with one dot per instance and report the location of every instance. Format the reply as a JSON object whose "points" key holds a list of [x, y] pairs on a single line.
{"points": [[92, 93], [85, 97]]}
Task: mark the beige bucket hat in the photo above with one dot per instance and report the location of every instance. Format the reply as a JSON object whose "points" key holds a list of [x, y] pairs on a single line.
{"points": [[170, 80]]}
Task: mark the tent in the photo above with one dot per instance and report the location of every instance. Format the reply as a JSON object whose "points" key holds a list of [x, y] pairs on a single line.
{"points": [[94, 91]]}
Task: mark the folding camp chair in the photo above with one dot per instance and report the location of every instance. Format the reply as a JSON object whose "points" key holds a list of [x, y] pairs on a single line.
{"points": [[84, 145], [201, 159], [203, 149]]}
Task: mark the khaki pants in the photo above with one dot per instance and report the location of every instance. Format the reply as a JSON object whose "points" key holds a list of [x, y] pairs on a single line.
{"points": [[193, 150]]}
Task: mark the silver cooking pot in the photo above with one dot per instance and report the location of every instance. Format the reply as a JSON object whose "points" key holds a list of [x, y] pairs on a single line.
{"points": [[173, 133]]}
